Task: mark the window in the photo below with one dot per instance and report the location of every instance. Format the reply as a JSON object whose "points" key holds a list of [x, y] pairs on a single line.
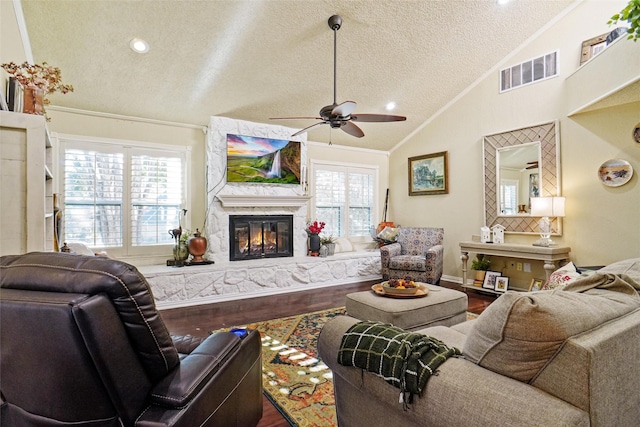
{"points": [[122, 196], [508, 196], [345, 198]]}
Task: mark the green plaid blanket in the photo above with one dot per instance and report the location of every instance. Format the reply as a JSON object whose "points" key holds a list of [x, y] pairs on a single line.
{"points": [[403, 359]]}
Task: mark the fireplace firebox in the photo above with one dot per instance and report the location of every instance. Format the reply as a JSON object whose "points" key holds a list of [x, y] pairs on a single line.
{"points": [[260, 236]]}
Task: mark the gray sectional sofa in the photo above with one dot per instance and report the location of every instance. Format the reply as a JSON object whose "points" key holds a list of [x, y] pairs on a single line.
{"points": [[565, 357]]}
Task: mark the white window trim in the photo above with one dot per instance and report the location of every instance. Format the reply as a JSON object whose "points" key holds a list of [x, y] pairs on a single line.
{"points": [[376, 185], [61, 141]]}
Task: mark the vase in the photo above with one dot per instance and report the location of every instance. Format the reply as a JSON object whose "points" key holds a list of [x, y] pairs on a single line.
{"points": [[33, 101], [479, 277], [331, 248], [314, 244], [324, 251], [197, 245], [180, 251]]}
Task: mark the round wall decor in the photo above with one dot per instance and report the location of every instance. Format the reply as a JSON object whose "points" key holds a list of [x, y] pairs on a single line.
{"points": [[636, 133], [615, 172]]}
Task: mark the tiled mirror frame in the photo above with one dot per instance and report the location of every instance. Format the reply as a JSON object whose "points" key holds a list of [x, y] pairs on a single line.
{"points": [[548, 135]]}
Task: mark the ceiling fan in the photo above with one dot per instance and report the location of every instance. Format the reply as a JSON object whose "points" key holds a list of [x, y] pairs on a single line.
{"points": [[341, 115]]}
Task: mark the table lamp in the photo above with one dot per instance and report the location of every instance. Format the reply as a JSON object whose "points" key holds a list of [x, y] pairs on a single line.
{"points": [[546, 207]]}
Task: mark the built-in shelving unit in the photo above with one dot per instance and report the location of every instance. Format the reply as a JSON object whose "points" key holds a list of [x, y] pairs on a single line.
{"points": [[26, 184]]}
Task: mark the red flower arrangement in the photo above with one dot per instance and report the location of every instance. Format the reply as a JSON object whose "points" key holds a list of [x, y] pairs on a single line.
{"points": [[315, 228]]}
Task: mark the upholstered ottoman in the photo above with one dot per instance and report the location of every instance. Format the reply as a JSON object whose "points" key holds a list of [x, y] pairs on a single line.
{"points": [[441, 306]]}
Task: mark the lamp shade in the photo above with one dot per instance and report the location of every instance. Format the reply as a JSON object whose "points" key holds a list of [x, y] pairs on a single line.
{"points": [[547, 206]]}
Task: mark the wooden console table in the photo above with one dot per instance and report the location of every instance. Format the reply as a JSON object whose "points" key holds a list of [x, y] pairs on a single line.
{"points": [[550, 255]]}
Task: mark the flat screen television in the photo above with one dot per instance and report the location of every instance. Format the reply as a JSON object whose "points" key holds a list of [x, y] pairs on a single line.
{"points": [[263, 160]]}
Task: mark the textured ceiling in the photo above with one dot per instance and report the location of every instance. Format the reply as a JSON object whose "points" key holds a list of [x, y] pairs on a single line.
{"points": [[257, 59]]}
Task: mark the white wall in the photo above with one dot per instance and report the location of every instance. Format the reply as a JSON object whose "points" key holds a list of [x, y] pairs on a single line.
{"points": [[602, 224]]}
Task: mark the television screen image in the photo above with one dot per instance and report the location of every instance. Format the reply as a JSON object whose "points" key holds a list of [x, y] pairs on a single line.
{"points": [[262, 160]]}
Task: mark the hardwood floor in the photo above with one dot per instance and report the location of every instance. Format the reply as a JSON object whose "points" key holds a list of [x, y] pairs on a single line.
{"points": [[199, 320]]}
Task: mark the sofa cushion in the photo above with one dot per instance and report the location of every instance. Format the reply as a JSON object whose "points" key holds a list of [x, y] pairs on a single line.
{"points": [[628, 269], [521, 331], [562, 277], [408, 262]]}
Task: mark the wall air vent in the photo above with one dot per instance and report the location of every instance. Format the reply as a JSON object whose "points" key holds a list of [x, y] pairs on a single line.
{"points": [[531, 71]]}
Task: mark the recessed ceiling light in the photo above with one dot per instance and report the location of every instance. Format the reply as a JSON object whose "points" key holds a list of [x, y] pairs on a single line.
{"points": [[139, 46], [390, 106], [503, 1]]}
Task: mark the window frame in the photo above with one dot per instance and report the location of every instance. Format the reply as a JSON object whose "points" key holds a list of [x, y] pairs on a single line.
{"points": [[374, 170], [129, 148]]}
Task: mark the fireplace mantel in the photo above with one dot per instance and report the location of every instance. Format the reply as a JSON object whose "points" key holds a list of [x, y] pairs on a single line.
{"points": [[248, 201]]}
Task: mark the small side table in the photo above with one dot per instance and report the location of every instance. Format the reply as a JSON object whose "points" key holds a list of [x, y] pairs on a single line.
{"points": [[550, 255]]}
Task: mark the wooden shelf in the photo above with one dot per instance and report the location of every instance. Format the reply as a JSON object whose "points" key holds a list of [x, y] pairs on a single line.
{"points": [[550, 255], [490, 291]]}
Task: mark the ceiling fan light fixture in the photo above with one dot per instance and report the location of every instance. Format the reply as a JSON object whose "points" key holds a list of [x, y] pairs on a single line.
{"points": [[340, 116], [138, 45]]}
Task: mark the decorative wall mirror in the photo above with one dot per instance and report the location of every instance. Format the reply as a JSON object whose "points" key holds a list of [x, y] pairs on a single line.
{"points": [[518, 178], [517, 165]]}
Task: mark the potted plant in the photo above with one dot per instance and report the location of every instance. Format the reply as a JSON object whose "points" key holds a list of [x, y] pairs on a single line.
{"points": [[631, 14], [481, 264], [330, 243], [313, 231]]}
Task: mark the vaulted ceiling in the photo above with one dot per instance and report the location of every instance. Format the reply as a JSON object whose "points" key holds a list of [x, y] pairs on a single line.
{"points": [[256, 59]]}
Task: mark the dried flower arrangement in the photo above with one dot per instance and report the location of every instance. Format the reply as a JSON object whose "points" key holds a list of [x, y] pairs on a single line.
{"points": [[39, 76]]}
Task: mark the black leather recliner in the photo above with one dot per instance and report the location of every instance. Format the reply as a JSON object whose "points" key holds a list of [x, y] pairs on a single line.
{"points": [[82, 344]]}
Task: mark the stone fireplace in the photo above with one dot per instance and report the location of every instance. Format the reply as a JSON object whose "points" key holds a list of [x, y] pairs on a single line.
{"points": [[260, 236]]}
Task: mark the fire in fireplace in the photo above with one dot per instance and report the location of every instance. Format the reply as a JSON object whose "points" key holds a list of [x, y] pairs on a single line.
{"points": [[260, 236]]}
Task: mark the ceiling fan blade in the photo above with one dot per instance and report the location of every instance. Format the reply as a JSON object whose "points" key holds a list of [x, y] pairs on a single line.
{"points": [[377, 118], [295, 118], [352, 129], [344, 109], [308, 128]]}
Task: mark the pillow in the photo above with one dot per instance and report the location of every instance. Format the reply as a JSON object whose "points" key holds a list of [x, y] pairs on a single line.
{"points": [[343, 245], [388, 234], [562, 277], [80, 249], [520, 332]]}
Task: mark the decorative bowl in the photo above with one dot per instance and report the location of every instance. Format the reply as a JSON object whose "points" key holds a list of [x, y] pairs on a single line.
{"points": [[396, 288]]}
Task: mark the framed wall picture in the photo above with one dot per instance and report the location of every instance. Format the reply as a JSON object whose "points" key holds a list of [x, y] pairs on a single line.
{"points": [[536, 285], [592, 47], [490, 279], [502, 284], [428, 174]]}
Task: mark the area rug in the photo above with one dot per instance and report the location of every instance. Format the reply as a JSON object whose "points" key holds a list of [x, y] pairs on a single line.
{"points": [[295, 379]]}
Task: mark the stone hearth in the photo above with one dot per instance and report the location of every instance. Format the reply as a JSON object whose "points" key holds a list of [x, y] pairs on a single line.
{"points": [[225, 281]]}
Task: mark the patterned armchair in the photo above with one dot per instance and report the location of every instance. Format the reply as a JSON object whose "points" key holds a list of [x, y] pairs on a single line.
{"points": [[417, 255]]}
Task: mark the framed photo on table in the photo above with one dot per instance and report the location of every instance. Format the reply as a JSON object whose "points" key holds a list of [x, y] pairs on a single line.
{"points": [[428, 174], [536, 285], [490, 279], [502, 284]]}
